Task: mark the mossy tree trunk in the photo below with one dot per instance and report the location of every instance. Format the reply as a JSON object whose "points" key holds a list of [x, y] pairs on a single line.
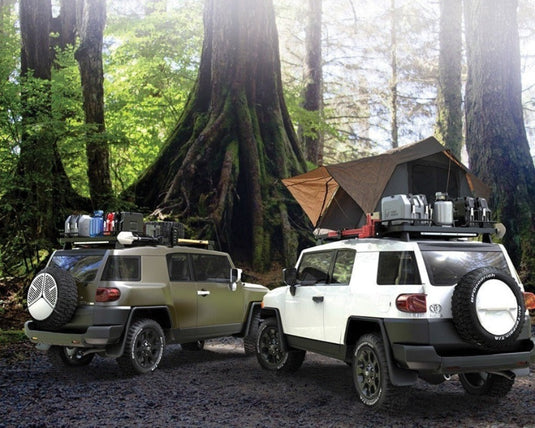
{"points": [[449, 128], [40, 193], [313, 77], [89, 57], [220, 169], [495, 134]]}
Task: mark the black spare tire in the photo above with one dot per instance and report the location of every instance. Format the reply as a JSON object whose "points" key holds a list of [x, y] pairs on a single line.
{"points": [[488, 309], [52, 298]]}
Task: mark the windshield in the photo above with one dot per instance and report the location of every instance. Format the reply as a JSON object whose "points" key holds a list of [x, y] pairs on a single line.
{"points": [[83, 266], [448, 267]]}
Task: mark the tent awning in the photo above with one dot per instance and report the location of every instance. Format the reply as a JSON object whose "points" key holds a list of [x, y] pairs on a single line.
{"points": [[364, 180]]}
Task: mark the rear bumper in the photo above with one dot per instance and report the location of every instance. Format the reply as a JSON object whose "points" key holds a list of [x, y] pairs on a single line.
{"points": [[433, 345], [425, 358], [94, 336]]}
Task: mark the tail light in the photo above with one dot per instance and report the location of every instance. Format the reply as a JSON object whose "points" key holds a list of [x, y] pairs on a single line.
{"points": [[412, 303], [529, 300], [105, 294]]}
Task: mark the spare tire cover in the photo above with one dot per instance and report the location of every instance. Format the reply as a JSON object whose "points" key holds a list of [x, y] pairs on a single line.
{"points": [[488, 308], [52, 298]]}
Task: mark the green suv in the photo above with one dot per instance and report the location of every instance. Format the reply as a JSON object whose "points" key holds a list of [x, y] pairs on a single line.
{"points": [[128, 303]]}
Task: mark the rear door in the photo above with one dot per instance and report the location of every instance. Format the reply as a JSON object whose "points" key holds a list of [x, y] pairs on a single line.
{"points": [[183, 290]]}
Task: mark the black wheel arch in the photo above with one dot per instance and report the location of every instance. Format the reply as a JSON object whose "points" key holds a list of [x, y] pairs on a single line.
{"points": [[254, 307], [160, 314], [358, 326], [274, 313]]}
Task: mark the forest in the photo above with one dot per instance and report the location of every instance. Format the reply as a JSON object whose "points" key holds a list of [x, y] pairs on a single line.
{"points": [[194, 110]]}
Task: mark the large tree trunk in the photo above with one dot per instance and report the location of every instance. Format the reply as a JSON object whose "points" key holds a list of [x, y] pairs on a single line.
{"points": [[40, 192], [234, 141], [313, 77], [89, 57], [449, 129], [495, 135], [35, 179]]}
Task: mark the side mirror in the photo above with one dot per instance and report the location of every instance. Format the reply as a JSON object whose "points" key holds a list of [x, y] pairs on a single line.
{"points": [[235, 277], [289, 276]]}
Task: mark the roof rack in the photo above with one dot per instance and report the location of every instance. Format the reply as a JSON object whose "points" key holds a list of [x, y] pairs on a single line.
{"points": [[407, 229], [138, 240]]}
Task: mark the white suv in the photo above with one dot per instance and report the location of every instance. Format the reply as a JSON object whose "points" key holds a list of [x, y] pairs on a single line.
{"points": [[402, 307]]}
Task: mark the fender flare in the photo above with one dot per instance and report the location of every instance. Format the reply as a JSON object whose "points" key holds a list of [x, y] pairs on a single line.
{"points": [[398, 376], [117, 350]]}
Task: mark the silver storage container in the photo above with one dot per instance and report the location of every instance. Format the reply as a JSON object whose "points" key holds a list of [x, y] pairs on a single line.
{"points": [[398, 209], [443, 210]]}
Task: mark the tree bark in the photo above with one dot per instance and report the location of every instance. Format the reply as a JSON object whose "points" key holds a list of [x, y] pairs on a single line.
{"points": [[234, 141], [41, 193], [89, 57], [449, 126], [394, 128], [495, 134], [313, 78]]}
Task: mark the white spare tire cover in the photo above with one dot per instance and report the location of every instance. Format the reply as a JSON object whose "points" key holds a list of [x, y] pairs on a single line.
{"points": [[488, 308], [52, 298]]}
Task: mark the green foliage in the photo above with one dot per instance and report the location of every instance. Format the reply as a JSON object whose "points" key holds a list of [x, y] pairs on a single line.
{"points": [[9, 97], [151, 63]]}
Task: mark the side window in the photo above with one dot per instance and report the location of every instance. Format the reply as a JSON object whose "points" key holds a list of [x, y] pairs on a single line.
{"points": [[343, 266], [314, 267], [208, 267], [178, 267], [398, 267], [122, 268]]}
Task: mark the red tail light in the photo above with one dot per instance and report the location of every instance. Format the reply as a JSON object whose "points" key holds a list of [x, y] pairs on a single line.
{"points": [[105, 294], [529, 300], [412, 303]]}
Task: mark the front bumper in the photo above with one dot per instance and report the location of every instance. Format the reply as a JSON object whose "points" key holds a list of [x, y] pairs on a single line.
{"points": [[94, 336]]}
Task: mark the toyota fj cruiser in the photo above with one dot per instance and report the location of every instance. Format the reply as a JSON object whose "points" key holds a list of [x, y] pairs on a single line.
{"points": [[406, 298], [129, 301]]}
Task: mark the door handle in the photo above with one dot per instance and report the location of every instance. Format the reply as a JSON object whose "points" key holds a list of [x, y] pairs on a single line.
{"points": [[203, 293], [317, 299]]}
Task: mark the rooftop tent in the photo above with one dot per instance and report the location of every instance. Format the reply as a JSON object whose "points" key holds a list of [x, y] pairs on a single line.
{"points": [[339, 196]]}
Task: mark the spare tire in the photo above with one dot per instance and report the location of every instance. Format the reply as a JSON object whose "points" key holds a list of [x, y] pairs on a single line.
{"points": [[488, 309], [52, 298]]}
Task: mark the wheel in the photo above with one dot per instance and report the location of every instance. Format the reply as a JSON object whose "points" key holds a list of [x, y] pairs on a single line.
{"points": [[193, 346], [52, 298], [371, 376], [269, 350], [489, 384], [488, 309], [249, 341], [144, 347], [62, 356]]}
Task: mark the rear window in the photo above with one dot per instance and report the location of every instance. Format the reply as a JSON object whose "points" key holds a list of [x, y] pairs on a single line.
{"points": [[397, 268], [122, 268], [83, 266], [448, 267]]}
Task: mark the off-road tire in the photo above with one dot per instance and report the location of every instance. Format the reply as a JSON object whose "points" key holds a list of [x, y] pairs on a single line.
{"points": [[144, 347], [52, 298], [468, 308], [61, 357], [487, 384], [193, 346], [249, 341], [269, 351], [371, 376]]}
